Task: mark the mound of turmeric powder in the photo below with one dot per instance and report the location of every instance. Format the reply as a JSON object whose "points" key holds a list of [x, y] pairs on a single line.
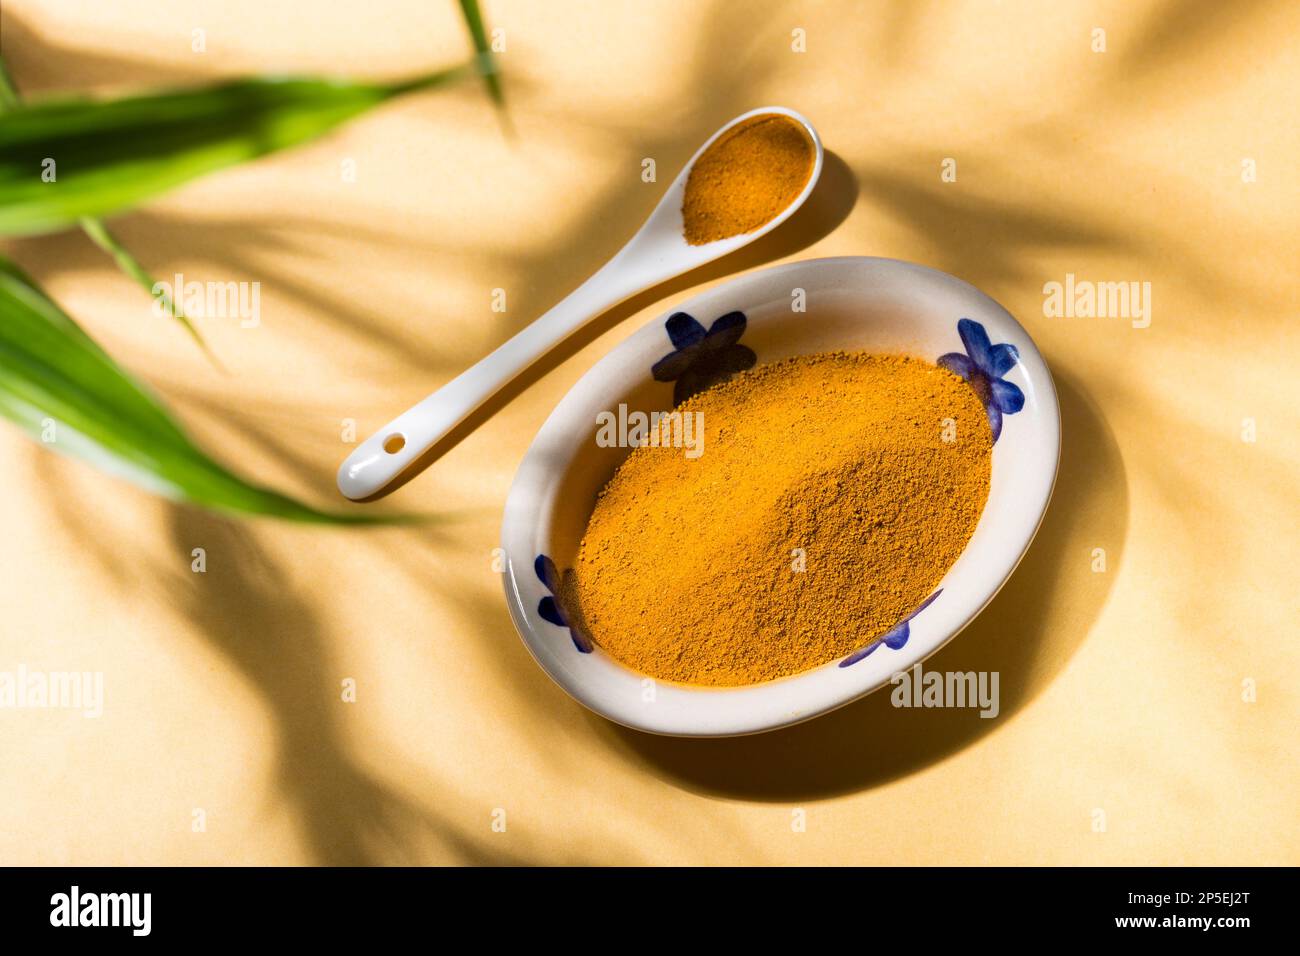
{"points": [[746, 178], [833, 493]]}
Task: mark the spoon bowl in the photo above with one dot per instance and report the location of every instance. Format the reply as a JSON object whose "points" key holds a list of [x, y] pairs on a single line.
{"points": [[662, 239], [658, 252]]}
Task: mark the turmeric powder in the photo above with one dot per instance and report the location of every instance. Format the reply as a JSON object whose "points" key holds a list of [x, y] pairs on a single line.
{"points": [[834, 493], [746, 178]]}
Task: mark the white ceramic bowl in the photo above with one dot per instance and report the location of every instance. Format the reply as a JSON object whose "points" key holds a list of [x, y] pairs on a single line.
{"points": [[868, 304]]}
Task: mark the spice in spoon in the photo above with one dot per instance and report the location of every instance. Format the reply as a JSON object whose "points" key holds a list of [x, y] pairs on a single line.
{"points": [[746, 178], [834, 493]]}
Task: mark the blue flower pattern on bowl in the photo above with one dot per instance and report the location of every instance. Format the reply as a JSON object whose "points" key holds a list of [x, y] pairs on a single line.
{"points": [[702, 358], [894, 639], [983, 366], [549, 607]]}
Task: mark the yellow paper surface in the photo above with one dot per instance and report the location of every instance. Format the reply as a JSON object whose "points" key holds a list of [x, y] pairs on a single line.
{"points": [[1148, 711]]}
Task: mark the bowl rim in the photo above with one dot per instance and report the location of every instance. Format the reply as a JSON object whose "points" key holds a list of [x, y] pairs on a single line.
{"points": [[519, 510]]}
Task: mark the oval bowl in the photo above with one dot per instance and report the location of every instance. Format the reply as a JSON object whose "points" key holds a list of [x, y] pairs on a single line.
{"points": [[852, 303]]}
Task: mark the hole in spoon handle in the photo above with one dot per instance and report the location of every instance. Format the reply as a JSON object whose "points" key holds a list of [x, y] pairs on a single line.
{"points": [[391, 450]]}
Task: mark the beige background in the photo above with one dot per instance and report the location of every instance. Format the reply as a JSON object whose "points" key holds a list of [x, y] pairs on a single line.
{"points": [[1121, 691]]}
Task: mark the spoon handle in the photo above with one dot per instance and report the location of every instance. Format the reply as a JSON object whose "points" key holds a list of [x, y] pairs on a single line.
{"points": [[385, 454]]}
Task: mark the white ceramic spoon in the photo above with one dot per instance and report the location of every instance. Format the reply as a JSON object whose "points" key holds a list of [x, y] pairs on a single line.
{"points": [[657, 252]]}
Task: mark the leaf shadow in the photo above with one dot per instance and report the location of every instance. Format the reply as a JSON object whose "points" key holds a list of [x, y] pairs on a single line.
{"points": [[252, 249], [46, 66], [987, 241], [1176, 33], [248, 611]]}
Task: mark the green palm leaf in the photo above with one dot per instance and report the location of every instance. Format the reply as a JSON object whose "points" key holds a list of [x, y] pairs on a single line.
{"points": [[102, 157], [37, 221], [75, 161], [64, 390], [487, 62], [99, 234]]}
